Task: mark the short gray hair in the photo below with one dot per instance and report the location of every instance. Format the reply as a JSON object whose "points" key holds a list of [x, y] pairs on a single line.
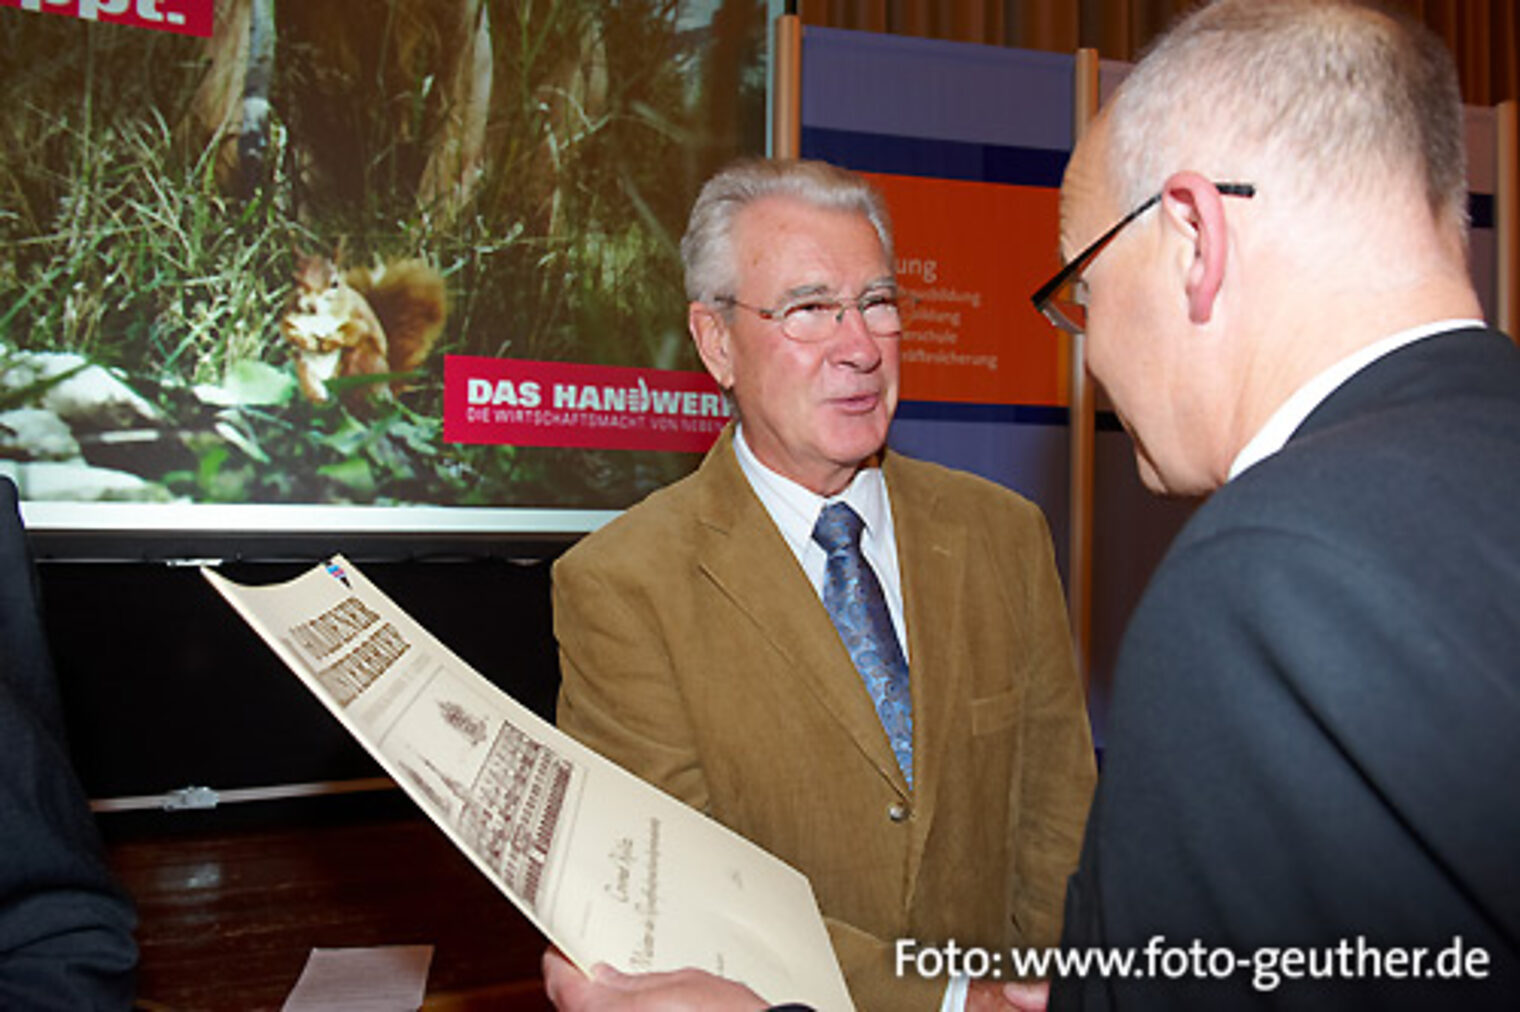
{"points": [[1334, 95], [707, 248]]}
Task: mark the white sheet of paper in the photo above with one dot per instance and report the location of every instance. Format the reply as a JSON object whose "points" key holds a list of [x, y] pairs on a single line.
{"points": [[386, 978], [608, 867]]}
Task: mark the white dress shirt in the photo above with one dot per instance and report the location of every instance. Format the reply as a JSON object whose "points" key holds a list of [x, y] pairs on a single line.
{"points": [[795, 509]]}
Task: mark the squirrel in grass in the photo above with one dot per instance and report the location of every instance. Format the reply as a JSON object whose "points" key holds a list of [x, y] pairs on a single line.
{"points": [[367, 321]]}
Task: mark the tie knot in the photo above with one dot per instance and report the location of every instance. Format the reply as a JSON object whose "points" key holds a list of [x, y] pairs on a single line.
{"points": [[838, 528]]}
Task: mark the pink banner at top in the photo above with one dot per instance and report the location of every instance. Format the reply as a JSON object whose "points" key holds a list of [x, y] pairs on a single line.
{"points": [[183, 17], [526, 403]]}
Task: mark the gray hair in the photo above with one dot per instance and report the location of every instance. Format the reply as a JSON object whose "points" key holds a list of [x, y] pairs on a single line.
{"points": [[1329, 97], [707, 248]]}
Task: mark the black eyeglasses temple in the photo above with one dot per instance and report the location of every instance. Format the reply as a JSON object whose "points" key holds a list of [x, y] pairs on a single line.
{"points": [[1043, 295]]}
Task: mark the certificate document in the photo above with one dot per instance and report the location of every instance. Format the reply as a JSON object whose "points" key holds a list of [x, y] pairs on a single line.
{"points": [[608, 867]]}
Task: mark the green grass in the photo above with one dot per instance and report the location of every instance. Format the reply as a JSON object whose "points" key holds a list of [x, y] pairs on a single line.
{"points": [[122, 239]]}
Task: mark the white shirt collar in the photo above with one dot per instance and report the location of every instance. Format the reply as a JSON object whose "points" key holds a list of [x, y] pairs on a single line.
{"points": [[1272, 436], [795, 508]]}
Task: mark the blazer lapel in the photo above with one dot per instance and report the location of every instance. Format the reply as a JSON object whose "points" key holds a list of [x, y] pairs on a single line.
{"points": [[932, 552], [749, 562]]}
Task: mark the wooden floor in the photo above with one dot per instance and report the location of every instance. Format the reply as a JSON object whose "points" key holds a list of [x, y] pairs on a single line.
{"points": [[230, 904]]}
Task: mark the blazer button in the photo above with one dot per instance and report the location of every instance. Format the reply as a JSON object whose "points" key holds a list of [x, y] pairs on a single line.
{"points": [[897, 811]]}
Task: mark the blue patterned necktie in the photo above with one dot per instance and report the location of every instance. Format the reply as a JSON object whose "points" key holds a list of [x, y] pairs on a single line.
{"points": [[854, 600]]}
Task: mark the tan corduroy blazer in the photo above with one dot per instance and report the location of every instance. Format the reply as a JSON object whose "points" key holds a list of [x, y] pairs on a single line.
{"points": [[695, 652]]}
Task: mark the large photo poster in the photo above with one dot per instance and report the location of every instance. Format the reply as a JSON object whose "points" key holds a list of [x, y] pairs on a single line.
{"points": [[343, 253]]}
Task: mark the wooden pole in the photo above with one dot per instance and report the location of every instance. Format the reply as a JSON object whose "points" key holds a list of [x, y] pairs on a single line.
{"points": [[1507, 218], [786, 87], [1080, 535]]}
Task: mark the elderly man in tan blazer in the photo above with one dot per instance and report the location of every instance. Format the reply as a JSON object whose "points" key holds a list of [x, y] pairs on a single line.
{"points": [[697, 649]]}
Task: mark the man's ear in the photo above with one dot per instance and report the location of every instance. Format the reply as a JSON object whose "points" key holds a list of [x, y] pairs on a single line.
{"points": [[1193, 206], [710, 332]]}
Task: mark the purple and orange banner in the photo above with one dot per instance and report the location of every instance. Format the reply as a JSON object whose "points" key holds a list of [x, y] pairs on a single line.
{"points": [[519, 402], [970, 253]]}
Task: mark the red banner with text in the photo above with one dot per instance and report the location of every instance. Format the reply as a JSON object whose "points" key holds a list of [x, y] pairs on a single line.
{"points": [[527, 403], [183, 17]]}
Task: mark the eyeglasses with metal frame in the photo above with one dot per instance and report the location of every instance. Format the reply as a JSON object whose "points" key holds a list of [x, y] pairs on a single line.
{"points": [[1063, 299], [810, 319]]}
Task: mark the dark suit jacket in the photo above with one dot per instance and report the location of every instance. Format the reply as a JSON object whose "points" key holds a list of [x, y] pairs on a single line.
{"points": [[1315, 729], [65, 927], [696, 653]]}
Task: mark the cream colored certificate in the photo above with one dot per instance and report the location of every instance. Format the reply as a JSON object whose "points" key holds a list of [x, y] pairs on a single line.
{"points": [[608, 867]]}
